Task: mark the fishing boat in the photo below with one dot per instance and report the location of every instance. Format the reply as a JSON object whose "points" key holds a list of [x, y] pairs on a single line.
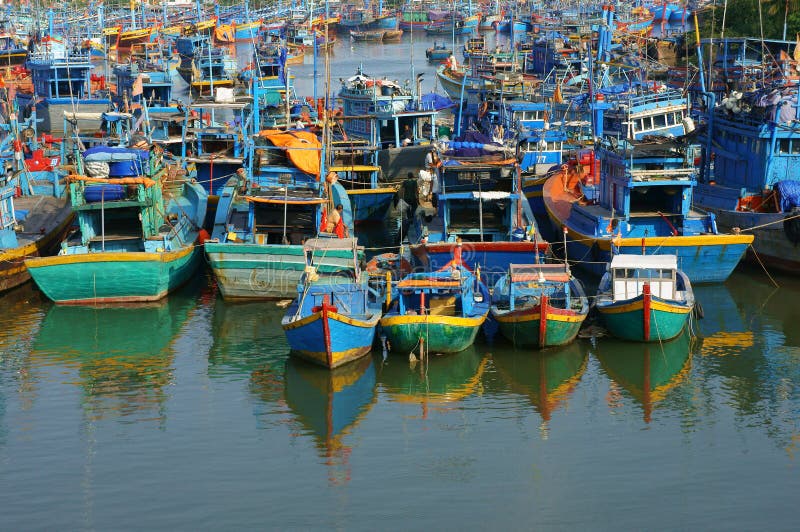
{"points": [[139, 220], [645, 298], [438, 52], [392, 35], [539, 305], [481, 219], [265, 213], [12, 52], [414, 14], [640, 202], [751, 156], [61, 77], [31, 225], [437, 312], [145, 80], [367, 35], [212, 68], [370, 195], [333, 319]]}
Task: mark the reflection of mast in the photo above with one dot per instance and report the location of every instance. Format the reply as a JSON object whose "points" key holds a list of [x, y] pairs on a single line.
{"points": [[647, 399]]}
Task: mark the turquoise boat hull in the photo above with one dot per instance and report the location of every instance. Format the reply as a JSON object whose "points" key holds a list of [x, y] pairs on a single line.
{"points": [[255, 271], [113, 277], [639, 321]]}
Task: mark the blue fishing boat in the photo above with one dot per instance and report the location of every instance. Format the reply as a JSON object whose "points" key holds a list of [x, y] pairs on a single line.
{"points": [[482, 218], [212, 68], [642, 201], [750, 177], [61, 78], [437, 312], [145, 80], [138, 220], [333, 319], [645, 298], [212, 141], [438, 52]]}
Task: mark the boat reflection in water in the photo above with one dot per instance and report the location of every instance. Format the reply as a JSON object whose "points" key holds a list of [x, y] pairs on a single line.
{"points": [[246, 343], [547, 378], [648, 372], [123, 355], [436, 382], [328, 403]]}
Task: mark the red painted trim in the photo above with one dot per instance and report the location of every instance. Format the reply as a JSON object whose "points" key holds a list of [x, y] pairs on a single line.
{"points": [[646, 310], [479, 247], [326, 330], [543, 321]]}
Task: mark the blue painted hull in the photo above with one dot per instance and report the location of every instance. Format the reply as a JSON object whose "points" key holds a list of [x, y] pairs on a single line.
{"points": [[493, 258], [710, 263], [344, 340], [370, 207]]}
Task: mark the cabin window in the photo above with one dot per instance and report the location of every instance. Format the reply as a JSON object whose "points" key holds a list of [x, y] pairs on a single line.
{"points": [[783, 146], [651, 200], [659, 121]]}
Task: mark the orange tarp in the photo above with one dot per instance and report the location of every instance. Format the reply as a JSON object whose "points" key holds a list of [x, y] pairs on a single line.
{"points": [[303, 148], [146, 181]]}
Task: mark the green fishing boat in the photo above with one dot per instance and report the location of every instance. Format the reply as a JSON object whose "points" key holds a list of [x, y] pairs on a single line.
{"points": [[139, 224]]}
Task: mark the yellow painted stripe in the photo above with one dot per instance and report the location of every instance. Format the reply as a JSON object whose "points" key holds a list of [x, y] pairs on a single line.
{"points": [[338, 357], [390, 190], [576, 318], [435, 319], [18, 253], [639, 305], [604, 243], [333, 316], [115, 256]]}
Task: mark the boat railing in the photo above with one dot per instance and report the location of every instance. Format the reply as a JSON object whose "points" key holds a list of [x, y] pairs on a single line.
{"points": [[664, 173]]}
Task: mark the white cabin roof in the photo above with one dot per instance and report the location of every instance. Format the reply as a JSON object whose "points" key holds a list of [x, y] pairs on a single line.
{"points": [[630, 261]]}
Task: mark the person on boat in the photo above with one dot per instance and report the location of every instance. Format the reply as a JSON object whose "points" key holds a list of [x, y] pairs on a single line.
{"points": [[408, 136], [334, 221], [424, 184], [432, 159], [409, 191]]}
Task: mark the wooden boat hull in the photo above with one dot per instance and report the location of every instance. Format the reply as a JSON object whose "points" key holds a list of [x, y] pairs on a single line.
{"points": [[13, 272], [128, 38], [531, 328], [771, 244], [441, 334], [645, 318], [113, 277], [255, 271], [330, 339], [705, 258]]}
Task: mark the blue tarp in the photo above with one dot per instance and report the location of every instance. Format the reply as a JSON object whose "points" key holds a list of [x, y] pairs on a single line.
{"points": [[108, 154], [436, 101], [790, 194]]}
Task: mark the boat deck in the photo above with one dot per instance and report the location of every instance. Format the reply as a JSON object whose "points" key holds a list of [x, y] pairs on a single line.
{"points": [[45, 213]]}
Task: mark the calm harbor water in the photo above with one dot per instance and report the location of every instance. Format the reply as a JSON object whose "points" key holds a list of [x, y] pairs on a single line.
{"points": [[189, 415]]}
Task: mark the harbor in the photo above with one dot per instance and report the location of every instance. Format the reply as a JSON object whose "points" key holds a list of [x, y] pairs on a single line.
{"points": [[453, 261]]}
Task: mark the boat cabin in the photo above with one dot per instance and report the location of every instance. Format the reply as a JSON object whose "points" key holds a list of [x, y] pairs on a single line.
{"points": [[629, 274], [663, 113]]}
